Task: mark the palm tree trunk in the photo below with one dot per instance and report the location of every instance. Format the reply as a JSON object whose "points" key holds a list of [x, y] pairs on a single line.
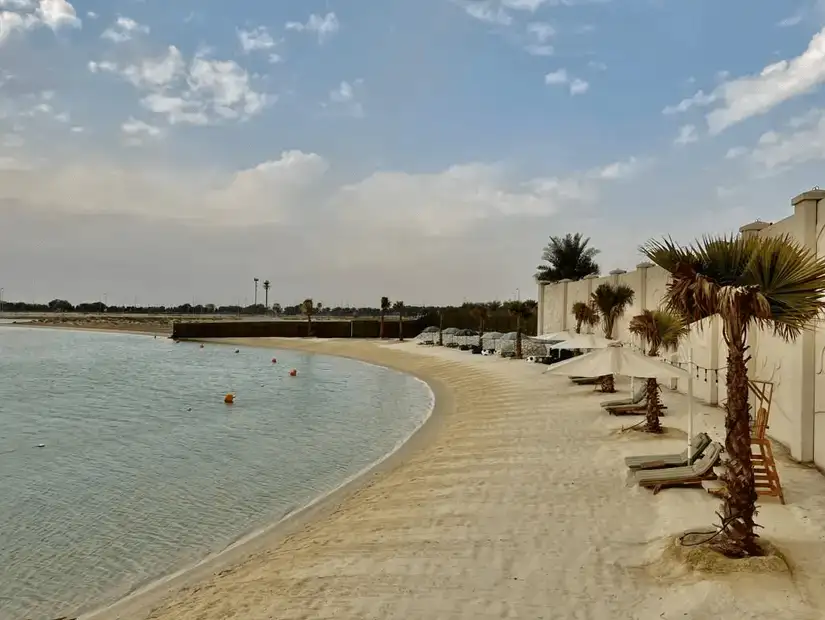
{"points": [[400, 327], [654, 407], [608, 385], [480, 332], [578, 327], [381, 329], [518, 337], [739, 504], [309, 326]]}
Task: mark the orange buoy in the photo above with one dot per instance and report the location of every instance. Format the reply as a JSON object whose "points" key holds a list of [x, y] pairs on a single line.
{"points": [[229, 399], [274, 361], [293, 373]]}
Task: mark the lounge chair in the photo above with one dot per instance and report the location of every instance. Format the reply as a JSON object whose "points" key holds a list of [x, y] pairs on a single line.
{"points": [[701, 470], [638, 409], [586, 380], [661, 461], [635, 398]]}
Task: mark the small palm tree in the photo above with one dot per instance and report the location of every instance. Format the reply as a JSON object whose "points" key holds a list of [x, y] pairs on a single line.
{"points": [[749, 283], [660, 330], [398, 306], [385, 306], [267, 286], [585, 314], [522, 310], [479, 313], [440, 327], [611, 301], [308, 308]]}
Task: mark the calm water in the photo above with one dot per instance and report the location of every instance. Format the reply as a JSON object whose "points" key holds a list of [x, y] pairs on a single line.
{"points": [[145, 470]]}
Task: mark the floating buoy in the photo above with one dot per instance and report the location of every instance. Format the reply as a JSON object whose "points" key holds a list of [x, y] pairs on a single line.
{"points": [[201, 346], [41, 445], [229, 399], [237, 350], [293, 373], [189, 408], [274, 361]]}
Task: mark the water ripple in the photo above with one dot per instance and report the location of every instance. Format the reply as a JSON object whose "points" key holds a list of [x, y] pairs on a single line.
{"points": [[145, 470]]}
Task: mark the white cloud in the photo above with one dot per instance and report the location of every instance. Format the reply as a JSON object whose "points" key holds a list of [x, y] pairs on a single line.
{"points": [[579, 87], [124, 29], [560, 77], [57, 14], [687, 134], [792, 20], [618, 170], [745, 97], [91, 15], [698, 99], [136, 130], [322, 26], [486, 12], [344, 97], [556, 77], [736, 152], [803, 142], [539, 34], [199, 92], [256, 39], [523, 5], [597, 65]]}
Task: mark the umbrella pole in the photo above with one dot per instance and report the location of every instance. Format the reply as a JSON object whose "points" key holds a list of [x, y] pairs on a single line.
{"points": [[690, 405]]}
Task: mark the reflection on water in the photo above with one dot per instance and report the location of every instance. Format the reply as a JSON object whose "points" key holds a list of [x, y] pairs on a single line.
{"points": [[144, 469]]}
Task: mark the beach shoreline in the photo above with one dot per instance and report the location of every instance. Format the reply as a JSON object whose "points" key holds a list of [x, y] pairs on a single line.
{"points": [[140, 602]]}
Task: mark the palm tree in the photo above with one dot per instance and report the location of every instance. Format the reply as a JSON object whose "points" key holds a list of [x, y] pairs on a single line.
{"points": [[750, 282], [568, 257], [611, 301], [479, 313], [255, 302], [585, 314], [308, 308], [267, 286], [385, 306], [398, 306], [522, 310], [440, 327], [660, 330]]}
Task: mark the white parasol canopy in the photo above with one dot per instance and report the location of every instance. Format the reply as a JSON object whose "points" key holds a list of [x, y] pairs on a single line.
{"points": [[554, 337], [584, 341], [618, 360]]}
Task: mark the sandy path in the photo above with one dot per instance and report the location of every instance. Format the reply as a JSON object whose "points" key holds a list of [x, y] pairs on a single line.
{"points": [[517, 508]]}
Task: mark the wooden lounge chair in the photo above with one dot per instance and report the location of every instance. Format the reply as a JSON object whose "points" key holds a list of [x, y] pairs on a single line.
{"points": [[637, 409], [586, 380], [658, 479], [637, 397], [661, 461]]}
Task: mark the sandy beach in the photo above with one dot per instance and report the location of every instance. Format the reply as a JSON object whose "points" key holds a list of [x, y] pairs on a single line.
{"points": [[513, 503]]}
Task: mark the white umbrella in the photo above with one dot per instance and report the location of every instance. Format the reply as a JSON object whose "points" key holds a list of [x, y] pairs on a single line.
{"points": [[554, 337], [618, 360], [584, 341]]}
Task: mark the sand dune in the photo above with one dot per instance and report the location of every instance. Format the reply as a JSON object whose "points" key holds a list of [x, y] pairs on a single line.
{"points": [[512, 505]]}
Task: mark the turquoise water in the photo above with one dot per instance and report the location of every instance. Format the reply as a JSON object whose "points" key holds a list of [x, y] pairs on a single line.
{"points": [[145, 470]]}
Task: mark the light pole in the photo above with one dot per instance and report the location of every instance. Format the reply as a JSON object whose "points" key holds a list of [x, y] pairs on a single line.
{"points": [[518, 294], [1, 299], [255, 302]]}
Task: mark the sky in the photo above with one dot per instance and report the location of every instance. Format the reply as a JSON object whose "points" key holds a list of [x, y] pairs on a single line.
{"points": [[169, 152]]}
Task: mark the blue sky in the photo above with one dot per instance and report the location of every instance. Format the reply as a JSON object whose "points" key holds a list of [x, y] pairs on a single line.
{"points": [[423, 150]]}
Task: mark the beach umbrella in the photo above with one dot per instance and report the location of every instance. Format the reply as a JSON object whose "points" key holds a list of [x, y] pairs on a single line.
{"points": [[450, 331], [618, 360], [509, 336], [430, 330], [584, 341], [554, 337]]}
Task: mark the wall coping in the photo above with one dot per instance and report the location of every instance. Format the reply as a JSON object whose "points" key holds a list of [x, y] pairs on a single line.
{"points": [[812, 194]]}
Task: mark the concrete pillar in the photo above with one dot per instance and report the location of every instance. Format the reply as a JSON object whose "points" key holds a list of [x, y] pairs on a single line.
{"points": [[590, 287], [642, 268], [753, 229], [805, 212], [614, 275], [542, 287], [565, 310]]}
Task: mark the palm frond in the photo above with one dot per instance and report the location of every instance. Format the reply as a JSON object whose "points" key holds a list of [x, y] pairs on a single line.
{"points": [[773, 281], [659, 329]]}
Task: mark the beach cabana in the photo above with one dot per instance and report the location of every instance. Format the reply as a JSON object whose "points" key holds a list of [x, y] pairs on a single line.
{"points": [[429, 335], [448, 336], [584, 341]]}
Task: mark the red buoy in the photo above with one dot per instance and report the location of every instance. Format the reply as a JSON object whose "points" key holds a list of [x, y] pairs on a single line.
{"points": [[293, 373], [274, 361]]}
